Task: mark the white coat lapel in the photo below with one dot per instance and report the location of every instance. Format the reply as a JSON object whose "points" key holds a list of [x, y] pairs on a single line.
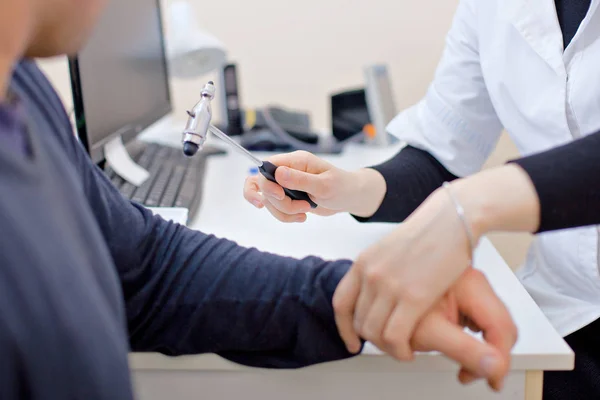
{"points": [[537, 23]]}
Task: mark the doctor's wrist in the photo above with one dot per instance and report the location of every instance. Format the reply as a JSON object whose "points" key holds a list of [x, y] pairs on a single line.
{"points": [[499, 199], [473, 212], [367, 188]]}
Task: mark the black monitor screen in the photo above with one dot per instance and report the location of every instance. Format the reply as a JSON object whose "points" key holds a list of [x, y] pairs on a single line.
{"points": [[120, 78]]}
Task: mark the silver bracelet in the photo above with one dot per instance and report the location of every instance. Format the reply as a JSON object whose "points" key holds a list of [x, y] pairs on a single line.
{"points": [[461, 214]]}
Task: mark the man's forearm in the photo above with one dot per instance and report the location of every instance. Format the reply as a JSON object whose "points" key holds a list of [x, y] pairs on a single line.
{"points": [[186, 292], [211, 295]]}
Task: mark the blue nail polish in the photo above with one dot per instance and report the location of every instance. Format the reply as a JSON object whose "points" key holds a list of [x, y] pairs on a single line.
{"points": [[253, 171]]}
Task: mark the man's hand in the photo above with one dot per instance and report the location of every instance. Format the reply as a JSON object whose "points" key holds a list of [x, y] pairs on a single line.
{"points": [[470, 301], [333, 189]]}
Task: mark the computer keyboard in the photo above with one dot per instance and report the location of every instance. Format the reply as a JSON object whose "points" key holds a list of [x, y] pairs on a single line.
{"points": [[175, 180]]}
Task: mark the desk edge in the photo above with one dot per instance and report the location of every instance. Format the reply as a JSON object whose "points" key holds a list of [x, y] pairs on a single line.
{"points": [[364, 362]]}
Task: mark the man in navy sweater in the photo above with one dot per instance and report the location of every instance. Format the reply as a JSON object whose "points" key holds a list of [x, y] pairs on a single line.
{"points": [[87, 276]]}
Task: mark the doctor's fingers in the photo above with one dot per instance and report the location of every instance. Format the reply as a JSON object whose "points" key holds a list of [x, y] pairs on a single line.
{"points": [[252, 192], [288, 206], [319, 186], [283, 217], [288, 209], [257, 184], [302, 161], [257, 188], [436, 333]]}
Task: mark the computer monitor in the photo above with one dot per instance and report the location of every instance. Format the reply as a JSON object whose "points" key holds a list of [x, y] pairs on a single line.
{"points": [[120, 78]]}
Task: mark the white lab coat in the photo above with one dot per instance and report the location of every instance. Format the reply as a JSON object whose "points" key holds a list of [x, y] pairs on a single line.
{"points": [[504, 67]]}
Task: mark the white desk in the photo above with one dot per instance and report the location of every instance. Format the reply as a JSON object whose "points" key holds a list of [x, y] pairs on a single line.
{"points": [[370, 375]]}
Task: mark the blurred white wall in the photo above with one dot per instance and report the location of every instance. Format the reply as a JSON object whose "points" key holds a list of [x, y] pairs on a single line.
{"points": [[296, 54]]}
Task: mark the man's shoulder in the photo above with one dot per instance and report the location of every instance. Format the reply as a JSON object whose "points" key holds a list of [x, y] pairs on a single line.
{"points": [[44, 108]]}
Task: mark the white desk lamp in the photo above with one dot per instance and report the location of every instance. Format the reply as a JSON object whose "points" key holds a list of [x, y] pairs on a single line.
{"points": [[191, 51]]}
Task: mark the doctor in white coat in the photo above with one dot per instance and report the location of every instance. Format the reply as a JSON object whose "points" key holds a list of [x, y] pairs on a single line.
{"points": [[530, 67], [505, 68]]}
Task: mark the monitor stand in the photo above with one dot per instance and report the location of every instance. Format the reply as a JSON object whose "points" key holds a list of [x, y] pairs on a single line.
{"points": [[118, 158]]}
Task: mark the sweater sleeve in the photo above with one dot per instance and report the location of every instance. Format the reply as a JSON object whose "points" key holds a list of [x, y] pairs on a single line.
{"points": [[567, 182], [410, 176], [187, 292]]}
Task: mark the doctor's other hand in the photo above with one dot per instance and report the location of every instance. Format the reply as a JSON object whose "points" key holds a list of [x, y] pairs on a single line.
{"points": [[333, 189]]}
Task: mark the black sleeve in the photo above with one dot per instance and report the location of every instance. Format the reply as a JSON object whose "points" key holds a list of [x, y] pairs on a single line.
{"points": [[410, 176], [567, 181], [188, 292]]}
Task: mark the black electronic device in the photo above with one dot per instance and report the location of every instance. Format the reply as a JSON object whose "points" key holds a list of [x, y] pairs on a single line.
{"points": [[272, 128], [231, 100], [262, 125], [120, 87], [349, 113]]}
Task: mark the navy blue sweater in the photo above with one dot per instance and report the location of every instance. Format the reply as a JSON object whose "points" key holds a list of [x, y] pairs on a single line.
{"points": [[86, 275]]}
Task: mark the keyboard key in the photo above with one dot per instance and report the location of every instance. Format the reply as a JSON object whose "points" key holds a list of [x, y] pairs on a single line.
{"points": [[128, 189], [147, 155], [157, 190], [117, 181], [163, 152], [109, 172], [168, 198], [141, 192], [189, 188]]}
